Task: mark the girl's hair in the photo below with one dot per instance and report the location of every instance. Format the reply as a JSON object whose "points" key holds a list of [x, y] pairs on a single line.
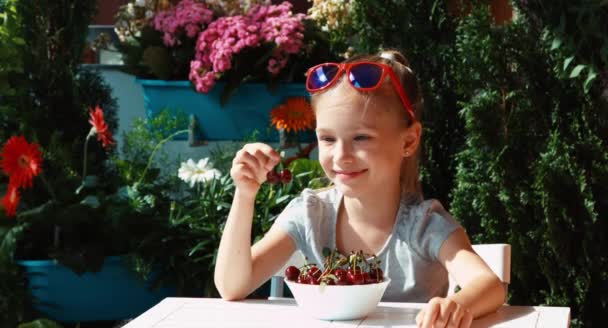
{"points": [[410, 182]]}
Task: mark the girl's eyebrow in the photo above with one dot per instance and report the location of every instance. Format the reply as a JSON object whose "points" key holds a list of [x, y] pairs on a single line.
{"points": [[362, 127]]}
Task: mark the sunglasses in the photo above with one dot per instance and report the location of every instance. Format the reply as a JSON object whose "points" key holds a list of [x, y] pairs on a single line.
{"points": [[363, 76]]}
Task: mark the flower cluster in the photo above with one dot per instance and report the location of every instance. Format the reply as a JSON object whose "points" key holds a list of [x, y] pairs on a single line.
{"points": [[227, 36], [21, 161], [188, 17], [133, 17], [331, 14]]}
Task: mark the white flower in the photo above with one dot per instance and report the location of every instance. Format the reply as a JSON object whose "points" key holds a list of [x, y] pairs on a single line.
{"points": [[193, 173], [140, 3], [130, 9]]}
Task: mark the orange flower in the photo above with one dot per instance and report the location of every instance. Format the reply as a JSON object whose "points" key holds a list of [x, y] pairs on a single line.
{"points": [[10, 200], [294, 115], [21, 161], [101, 128]]}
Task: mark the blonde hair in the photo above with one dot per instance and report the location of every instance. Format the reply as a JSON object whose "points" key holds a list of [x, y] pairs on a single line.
{"points": [[409, 177]]}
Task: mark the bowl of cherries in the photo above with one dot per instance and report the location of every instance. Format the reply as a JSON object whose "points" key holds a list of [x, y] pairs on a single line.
{"points": [[349, 287]]}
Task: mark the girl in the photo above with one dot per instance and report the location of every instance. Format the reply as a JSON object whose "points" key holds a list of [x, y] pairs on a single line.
{"points": [[368, 128]]}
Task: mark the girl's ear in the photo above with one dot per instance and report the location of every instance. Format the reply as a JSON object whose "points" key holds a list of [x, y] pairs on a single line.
{"points": [[411, 139]]}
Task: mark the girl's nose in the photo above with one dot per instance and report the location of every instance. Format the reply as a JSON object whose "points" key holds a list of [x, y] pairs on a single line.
{"points": [[343, 153]]}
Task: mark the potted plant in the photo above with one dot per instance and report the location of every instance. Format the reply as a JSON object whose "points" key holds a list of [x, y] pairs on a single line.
{"points": [[227, 62]]}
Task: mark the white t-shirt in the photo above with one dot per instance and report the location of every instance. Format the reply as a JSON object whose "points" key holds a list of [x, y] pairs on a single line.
{"points": [[409, 255]]}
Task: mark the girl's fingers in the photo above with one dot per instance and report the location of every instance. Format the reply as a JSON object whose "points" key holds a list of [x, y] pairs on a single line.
{"points": [[445, 312], [431, 313], [419, 317], [246, 158], [456, 317], [467, 320], [266, 155], [240, 171]]}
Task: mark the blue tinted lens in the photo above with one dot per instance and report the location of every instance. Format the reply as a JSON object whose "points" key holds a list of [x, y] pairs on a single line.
{"points": [[365, 75], [321, 76]]}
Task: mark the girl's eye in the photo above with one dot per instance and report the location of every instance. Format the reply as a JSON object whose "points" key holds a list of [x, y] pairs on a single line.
{"points": [[362, 138], [326, 139]]}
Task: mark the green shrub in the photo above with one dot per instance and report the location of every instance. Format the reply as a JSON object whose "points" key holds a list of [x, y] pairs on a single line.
{"points": [[534, 169]]}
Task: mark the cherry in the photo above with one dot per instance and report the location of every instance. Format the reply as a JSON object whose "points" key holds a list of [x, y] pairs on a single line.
{"points": [[366, 278], [376, 275], [286, 176], [292, 273], [303, 279], [341, 276], [355, 278], [314, 272], [273, 177]]}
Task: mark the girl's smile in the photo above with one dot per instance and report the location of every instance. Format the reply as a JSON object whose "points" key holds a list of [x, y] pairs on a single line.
{"points": [[348, 175]]}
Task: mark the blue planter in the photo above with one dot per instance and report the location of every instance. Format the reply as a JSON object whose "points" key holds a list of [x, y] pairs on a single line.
{"points": [[248, 109], [114, 293]]}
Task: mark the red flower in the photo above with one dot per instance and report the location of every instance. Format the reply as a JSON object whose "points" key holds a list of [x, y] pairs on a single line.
{"points": [[21, 161], [101, 128], [10, 200]]}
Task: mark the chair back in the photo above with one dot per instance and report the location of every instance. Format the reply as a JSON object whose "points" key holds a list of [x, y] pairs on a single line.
{"points": [[497, 257]]}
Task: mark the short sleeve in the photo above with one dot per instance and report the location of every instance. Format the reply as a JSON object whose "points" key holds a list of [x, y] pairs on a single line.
{"points": [[292, 219], [432, 227]]}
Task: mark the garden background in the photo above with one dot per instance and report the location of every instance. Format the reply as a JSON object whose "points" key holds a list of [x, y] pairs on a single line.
{"points": [[516, 140]]}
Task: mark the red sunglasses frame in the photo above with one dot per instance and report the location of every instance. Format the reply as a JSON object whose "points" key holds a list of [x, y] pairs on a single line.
{"points": [[347, 67]]}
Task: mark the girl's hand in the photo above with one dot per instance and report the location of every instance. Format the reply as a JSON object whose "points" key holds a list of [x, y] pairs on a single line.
{"points": [[443, 312], [250, 166]]}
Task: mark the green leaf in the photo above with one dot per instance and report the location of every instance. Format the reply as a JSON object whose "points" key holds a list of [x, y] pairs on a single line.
{"points": [[556, 43], [589, 80], [326, 251], [577, 71], [567, 62]]}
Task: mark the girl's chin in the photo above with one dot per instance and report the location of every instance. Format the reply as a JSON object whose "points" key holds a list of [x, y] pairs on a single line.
{"points": [[349, 190]]}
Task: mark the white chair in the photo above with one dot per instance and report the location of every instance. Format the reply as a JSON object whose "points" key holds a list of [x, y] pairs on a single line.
{"points": [[496, 256]]}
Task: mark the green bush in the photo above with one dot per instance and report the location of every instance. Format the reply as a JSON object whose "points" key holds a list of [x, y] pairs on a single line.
{"points": [[534, 169]]}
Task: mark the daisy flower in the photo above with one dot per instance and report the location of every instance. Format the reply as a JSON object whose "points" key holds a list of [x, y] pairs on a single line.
{"points": [[100, 127], [294, 115], [21, 161], [192, 173]]}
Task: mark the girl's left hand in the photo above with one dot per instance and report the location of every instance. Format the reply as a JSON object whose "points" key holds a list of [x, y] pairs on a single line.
{"points": [[443, 312]]}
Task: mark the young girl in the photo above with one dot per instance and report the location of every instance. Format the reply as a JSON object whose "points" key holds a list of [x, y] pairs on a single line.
{"points": [[368, 127]]}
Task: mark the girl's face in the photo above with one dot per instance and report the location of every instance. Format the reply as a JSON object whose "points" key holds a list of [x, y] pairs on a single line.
{"points": [[363, 139]]}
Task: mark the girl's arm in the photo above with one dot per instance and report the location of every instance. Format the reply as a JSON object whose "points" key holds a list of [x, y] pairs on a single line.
{"points": [[481, 290], [241, 268]]}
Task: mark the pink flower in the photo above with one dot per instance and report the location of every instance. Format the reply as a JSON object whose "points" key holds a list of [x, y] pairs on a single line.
{"points": [[188, 18], [226, 37]]}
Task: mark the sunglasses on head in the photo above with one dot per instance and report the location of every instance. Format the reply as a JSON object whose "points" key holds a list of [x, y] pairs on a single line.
{"points": [[363, 76]]}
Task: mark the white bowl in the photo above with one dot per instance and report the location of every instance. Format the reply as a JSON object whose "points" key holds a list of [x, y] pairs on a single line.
{"points": [[338, 302]]}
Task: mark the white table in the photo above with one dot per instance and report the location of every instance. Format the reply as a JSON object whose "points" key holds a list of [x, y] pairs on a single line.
{"points": [[213, 312]]}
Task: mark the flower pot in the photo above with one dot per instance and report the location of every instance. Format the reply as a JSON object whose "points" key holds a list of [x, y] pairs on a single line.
{"points": [[247, 109], [113, 293]]}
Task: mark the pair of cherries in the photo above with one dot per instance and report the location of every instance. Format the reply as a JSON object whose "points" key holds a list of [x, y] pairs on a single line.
{"points": [[276, 177]]}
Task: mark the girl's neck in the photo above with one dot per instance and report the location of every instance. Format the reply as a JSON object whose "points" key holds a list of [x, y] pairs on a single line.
{"points": [[377, 208]]}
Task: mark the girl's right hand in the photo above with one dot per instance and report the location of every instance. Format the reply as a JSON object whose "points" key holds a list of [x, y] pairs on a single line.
{"points": [[250, 166]]}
